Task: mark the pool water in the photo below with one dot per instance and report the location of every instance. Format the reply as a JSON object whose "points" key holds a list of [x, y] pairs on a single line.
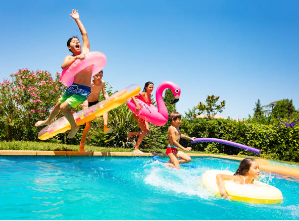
{"points": [[43, 187]]}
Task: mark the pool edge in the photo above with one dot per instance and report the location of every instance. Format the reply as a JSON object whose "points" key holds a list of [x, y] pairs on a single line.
{"points": [[265, 165]]}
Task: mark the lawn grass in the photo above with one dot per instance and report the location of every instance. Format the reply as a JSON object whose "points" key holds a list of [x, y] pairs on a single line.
{"points": [[47, 146]]}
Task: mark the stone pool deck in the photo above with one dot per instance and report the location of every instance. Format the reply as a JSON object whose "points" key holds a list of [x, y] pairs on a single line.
{"points": [[265, 165]]}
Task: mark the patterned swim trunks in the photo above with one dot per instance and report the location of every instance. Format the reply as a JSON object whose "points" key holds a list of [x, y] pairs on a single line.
{"points": [[75, 95]]}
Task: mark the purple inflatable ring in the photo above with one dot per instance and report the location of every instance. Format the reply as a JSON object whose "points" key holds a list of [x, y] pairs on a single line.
{"points": [[227, 143]]}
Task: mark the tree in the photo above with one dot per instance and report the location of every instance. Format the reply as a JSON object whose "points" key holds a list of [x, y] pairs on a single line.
{"points": [[211, 107], [190, 115], [283, 109], [258, 112], [168, 99]]}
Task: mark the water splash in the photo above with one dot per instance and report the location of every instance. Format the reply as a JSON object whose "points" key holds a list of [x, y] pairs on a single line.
{"points": [[266, 178], [183, 181]]}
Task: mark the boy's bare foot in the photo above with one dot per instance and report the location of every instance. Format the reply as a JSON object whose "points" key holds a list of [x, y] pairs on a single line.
{"points": [[73, 132], [41, 123]]}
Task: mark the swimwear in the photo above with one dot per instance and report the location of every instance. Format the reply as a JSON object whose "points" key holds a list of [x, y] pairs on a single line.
{"points": [[75, 95], [142, 98], [92, 103], [171, 149]]}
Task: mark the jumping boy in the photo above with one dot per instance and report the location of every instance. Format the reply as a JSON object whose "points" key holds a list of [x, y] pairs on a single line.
{"points": [[176, 157], [97, 85], [80, 90]]}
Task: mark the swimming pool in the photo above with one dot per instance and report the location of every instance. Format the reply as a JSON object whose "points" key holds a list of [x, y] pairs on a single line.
{"points": [[44, 187]]}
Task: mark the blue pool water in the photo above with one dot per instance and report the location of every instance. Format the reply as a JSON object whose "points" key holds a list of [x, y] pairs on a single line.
{"points": [[34, 187]]}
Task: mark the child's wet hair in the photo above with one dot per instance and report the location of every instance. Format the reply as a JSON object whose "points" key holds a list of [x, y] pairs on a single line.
{"points": [[244, 166], [69, 41], [146, 85], [174, 115]]}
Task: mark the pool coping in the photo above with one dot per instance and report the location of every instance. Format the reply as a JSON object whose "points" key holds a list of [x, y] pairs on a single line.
{"points": [[264, 164]]}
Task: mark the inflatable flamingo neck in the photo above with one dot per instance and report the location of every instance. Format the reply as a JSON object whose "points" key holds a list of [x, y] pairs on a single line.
{"points": [[159, 99]]}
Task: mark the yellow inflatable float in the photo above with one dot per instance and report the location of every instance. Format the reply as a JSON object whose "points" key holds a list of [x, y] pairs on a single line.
{"points": [[62, 125], [259, 193]]}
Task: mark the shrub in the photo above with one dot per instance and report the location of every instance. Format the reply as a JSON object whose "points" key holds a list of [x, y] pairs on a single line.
{"points": [[277, 141], [25, 99]]}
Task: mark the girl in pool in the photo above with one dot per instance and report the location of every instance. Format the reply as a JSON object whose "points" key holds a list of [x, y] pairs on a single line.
{"points": [[144, 96], [246, 173]]}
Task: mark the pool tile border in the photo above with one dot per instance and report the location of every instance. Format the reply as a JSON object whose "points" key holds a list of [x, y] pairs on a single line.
{"points": [[265, 165]]}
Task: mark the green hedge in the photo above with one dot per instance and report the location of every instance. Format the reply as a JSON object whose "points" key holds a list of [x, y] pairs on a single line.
{"points": [[278, 142]]}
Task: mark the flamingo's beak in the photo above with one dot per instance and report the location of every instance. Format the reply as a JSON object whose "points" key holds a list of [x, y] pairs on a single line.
{"points": [[175, 100]]}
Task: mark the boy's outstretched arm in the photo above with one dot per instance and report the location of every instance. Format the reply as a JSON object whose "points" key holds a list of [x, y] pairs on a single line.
{"points": [[75, 16], [187, 137]]}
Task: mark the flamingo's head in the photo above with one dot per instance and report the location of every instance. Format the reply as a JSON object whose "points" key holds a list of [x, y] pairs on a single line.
{"points": [[176, 90]]}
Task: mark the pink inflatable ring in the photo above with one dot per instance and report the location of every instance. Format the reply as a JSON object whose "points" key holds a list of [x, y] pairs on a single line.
{"points": [[96, 59], [157, 116]]}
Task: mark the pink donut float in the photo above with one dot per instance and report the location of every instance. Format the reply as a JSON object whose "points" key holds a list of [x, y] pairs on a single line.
{"points": [[157, 116], [96, 59]]}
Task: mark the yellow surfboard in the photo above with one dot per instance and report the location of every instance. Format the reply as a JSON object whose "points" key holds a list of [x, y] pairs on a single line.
{"points": [[62, 125]]}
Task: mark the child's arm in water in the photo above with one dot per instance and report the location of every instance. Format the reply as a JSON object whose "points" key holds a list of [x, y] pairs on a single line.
{"points": [[220, 180], [75, 16], [175, 141]]}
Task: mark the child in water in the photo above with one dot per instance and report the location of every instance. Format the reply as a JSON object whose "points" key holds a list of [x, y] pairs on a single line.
{"points": [[80, 90], [246, 173], [176, 157], [97, 86], [144, 96]]}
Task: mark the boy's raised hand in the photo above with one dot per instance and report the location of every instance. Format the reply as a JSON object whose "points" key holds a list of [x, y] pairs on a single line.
{"points": [[75, 14]]}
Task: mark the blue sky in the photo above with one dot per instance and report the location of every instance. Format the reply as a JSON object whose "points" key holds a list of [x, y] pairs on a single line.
{"points": [[241, 51]]}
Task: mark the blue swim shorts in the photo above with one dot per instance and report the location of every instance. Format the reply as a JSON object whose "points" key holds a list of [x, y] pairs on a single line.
{"points": [[75, 94]]}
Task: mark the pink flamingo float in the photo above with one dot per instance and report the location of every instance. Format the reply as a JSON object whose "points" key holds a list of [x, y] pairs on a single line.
{"points": [[157, 116]]}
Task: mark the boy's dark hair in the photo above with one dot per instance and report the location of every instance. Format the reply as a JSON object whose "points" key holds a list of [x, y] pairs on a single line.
{"points": [[244, 166], [175, 115], [69, 41], [146, 85], [101, 71]]}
